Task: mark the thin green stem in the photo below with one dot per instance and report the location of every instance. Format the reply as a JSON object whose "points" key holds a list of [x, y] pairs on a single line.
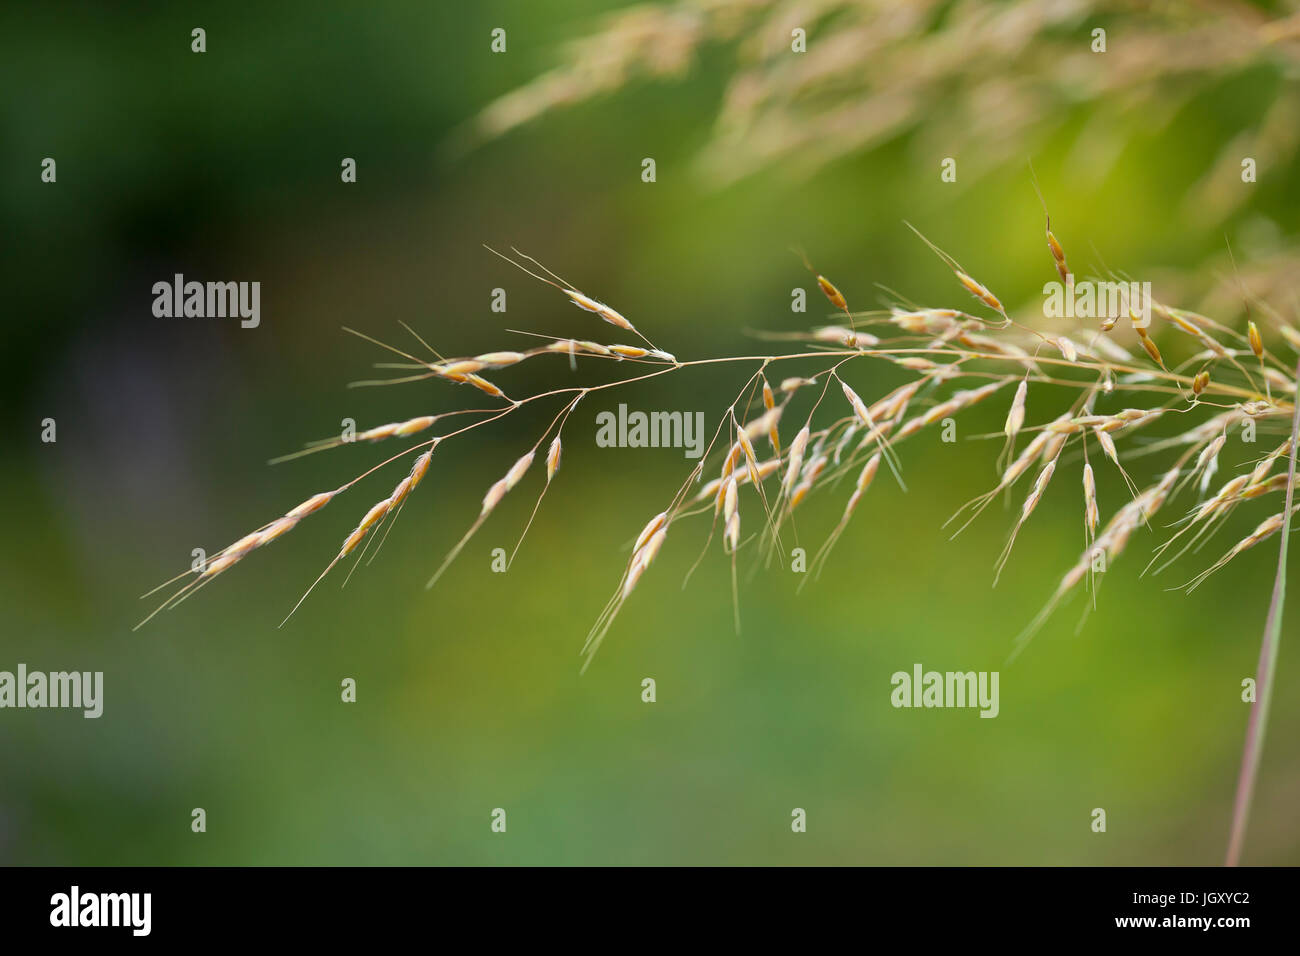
{"points": [[1264, 671]]}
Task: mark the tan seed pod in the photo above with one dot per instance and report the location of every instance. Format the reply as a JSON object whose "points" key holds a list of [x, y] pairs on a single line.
{"points": [[795, 461], [1276, 483], [376, 512], [483, 385], [733, 532], [1201, 380], [729, 463], [868, 473], [915, 363], [1058, 255], [731, 514], [421, 466], [799, 493], [762, 424], [751, 460], [276, 528], [642, 557], [379, 432], [500, 359], [859, 408], [413, 425], [1065, 428], [653, 525], [1150, 347], [927, 321], [846, 337], [1016, 415], [769, 400], [517, 470], [553, 459], [629, 351], [894, 404], [494, 496], [979, 291], [1107, 445], [601, 309], [311, 505], [1090, 512], [1256, 342], [1209, 452], [400, 492], [244, 544], [710, 489], [219, 564], [1040, 485], [833, 294]]}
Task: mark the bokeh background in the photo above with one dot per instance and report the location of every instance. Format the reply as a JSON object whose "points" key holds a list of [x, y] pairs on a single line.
{"points": [[226, 165]]}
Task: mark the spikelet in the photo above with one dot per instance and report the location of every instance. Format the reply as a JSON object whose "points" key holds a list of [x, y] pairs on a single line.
{"points": [[1030, 503], [599, 308], [979, 291], [731, 514], [265, 535], [499, 488], [1058, 257], [1150, 347], [499, 359], [653, 525], [797, 448], [865, 477], [517, 470], [1090, 512], [629, 351], [483, 385], [397, 429], [931, 321], [376, 512], [1264, 530], [859, 407], [1207, 462], [833, 294], [1256, 342], [457, 370], [846, 337], [553, 459], [751, 460], [642, 558]]}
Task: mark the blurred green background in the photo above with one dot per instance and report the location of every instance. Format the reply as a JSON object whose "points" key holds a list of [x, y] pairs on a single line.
{"points": [[226, 166]]}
